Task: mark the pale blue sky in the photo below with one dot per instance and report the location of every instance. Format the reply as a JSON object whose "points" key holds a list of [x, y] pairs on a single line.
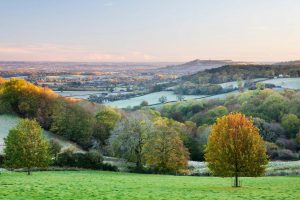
{"points": [[149, 30]]}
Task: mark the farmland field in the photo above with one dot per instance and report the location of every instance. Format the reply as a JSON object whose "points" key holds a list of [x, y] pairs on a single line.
{"points": [[78, 94], [234, 83], [291, 83], [151, 98], [90, 185]]}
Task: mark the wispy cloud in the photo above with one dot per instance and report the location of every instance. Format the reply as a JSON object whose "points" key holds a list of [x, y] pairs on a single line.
{"points": [[52, 52]]}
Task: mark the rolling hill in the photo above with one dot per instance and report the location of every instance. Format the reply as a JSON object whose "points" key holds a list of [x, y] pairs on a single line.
{"points": [[197, 65]]}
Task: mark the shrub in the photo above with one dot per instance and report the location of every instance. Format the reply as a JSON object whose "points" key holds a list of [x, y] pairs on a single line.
{"points": [[91, 160], [1, 161], [298, 137], [144, 103], [286, 144], [210, 116], [291, 124], [269, 131], [54, 148], [285, 154], [272, 150]]}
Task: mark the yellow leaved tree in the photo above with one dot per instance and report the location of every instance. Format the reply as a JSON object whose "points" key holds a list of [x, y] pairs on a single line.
{"points": [[235, 148]]}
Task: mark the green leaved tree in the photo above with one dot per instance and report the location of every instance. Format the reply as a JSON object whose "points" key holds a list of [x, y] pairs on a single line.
{"points": [[25, 147], [164, 150]]}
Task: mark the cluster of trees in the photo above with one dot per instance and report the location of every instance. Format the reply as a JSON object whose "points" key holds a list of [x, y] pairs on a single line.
{"points": [[234, 72], [84, 123], [144, 137], [275, 113], [103, 129], [147, 139]]}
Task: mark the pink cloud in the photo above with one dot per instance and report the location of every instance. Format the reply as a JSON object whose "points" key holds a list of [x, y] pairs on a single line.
{"points": [[51, 52]]}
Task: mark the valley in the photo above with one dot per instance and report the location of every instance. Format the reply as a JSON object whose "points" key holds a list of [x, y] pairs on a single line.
{"points": [[149, 100]]}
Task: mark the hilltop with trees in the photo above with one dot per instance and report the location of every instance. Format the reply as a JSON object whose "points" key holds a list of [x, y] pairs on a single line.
{"points": [[207, 82]]}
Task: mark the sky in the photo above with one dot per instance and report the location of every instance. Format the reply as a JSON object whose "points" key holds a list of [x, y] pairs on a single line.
{"points": [[149, 30]]}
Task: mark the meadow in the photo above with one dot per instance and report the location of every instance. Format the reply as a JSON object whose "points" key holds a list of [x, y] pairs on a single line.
{"points": [[71, 185]]}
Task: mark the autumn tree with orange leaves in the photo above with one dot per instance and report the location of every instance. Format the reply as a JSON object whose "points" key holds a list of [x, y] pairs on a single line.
{"points": [[235, 148]]}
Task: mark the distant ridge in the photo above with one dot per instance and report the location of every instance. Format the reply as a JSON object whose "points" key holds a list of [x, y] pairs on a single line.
{"points": [[197, 65], [294, 62]]}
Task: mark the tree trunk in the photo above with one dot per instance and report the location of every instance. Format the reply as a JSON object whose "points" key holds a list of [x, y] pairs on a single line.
{"points": [[139, 165], [236, 182], [28, 171]]}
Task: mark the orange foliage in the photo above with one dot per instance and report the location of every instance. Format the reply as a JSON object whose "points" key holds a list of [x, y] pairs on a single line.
{"points": [[2, 80], [235, 148]]}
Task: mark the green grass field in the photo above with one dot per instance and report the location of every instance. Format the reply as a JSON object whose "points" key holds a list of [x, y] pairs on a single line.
{"points": [[111, 185]]}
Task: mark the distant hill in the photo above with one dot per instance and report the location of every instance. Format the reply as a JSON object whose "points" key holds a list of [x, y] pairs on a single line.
{"points": [[197, 65], [294, 62], [229, 73]]}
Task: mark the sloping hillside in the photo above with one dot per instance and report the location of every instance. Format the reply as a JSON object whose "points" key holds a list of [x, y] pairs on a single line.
{"points": [[295, 62], [196, 66], [8, 122], [233, 72]]}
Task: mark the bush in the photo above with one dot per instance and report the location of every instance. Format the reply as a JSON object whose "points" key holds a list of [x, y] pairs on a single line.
{"points": [[272, 150], [210, 116], [1, 161], [91, 160], [291, 124], [269, 131], [285, 154], [287, 144]]}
